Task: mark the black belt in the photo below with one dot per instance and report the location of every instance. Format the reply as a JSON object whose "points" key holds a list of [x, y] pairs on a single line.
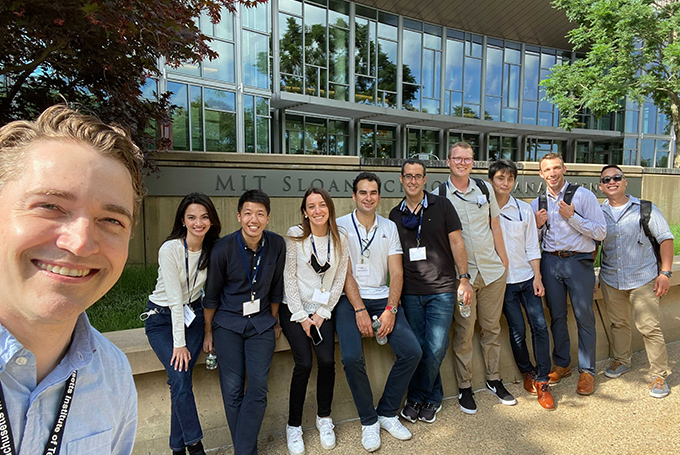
{"points": [[564, 254]]}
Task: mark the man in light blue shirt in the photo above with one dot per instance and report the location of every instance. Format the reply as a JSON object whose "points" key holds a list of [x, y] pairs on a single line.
{"points": [[631, 278], [70, 191], [569, 232]]}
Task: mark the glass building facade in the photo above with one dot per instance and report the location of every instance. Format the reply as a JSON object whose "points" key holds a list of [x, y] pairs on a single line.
{"points": [[332, 77]]}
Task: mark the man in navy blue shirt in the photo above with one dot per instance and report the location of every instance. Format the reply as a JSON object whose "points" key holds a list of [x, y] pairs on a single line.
{"points": [[243, 292]]}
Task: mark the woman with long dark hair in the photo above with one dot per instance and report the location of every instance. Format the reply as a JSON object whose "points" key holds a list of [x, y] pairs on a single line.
{"points": [[174, 323], [316, 263]]}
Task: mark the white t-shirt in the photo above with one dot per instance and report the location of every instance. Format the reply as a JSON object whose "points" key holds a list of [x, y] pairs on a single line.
{"points": [[384, 242]]}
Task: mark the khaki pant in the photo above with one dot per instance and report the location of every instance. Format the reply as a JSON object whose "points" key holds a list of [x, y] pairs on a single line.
{"points": [[645, 307], [486, 307]]}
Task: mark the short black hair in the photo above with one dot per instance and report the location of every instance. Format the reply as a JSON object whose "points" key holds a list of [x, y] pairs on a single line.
{"points": [[413, 161], [611, 166], [502, 166], [370, 176], [256, 196]]}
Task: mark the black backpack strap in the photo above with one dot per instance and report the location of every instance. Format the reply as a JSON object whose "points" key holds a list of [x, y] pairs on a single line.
{"points": [[482, 186], [569, 195], [442, 189], [645, 216]]}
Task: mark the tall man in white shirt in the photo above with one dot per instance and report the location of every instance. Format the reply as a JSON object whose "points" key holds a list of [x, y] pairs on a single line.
{"points": [[374, 250], [524, 287], [569, 232], [487, 264]]}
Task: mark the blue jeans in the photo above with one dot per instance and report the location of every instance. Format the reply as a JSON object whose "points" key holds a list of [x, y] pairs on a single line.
{"points": [[405, 347], [573, 275], [238, 353], [185, 428], [518, 295], [430, 319]]}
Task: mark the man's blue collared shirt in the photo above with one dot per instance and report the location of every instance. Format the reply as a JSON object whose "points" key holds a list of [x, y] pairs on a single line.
{"points": [[628, 259], [103, 414]]}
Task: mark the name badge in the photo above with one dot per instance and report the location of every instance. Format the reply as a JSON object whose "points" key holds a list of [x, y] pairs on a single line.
{"points": [[189, 315], [251, 307], [321, 297], [481, 199], [362, 270], [417, 254]]}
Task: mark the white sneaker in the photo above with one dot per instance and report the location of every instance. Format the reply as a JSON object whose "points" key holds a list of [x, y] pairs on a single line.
{"points": [[370, 437], [326, 433], [394, 427], [296, 445]]}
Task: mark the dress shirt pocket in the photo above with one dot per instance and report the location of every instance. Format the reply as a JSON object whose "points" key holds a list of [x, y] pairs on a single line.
{"points": [[96, 444], [513, 230]]}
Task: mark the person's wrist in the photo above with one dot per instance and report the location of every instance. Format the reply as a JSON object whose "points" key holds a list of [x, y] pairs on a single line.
{"points": [[359, 310]]}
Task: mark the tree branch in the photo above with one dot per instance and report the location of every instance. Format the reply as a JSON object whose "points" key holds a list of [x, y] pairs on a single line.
{"points": [[30, 67]]}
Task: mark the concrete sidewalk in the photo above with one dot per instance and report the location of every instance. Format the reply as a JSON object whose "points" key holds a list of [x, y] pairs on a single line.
{"points": [[620, 418]]}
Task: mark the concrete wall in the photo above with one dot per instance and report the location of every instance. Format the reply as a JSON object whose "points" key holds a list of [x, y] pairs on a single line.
{"points": [[154, 396]]}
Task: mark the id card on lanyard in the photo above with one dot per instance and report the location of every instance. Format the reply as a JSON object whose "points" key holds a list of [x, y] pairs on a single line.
{"points": [[251, 306], [189, 314], [418, 253], [363, 268]]}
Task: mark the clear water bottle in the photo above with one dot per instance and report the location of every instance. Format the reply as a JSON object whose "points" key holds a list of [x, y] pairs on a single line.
{"points": [[211, 361], [464, 309], [376, 326]]}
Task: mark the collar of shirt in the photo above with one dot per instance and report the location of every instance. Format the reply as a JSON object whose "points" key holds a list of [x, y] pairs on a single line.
{"points": [[260, 244], [606, 206], [511, 207], [361, 226], [454, 189], [427, 199], [559, 193]]}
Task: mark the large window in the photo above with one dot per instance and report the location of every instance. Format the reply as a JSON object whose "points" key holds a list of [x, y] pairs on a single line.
{"points": [[471, 138], [655, 153], [502, 81], [423, 142], [463, 90], [316, 136], [422, 44], [256, 117], [255, 36], [503, 147], [538, 148], [538, 63], [378, 141]]}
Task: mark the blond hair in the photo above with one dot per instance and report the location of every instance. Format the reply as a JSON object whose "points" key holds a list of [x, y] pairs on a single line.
{"points": [[62, 123]]}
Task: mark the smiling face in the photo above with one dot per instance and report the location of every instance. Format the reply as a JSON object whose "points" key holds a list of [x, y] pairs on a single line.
{"points": [[316, 210], [460, 161], [197, 221], [552, 171], [253, 218], [367, 196], [413, 179], [67, 222], [613, 189]]}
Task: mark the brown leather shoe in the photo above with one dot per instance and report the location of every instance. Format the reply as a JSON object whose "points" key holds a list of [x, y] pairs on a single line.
{"points": [[558, 373], [545, 398], [530, 382], [586, 384]]}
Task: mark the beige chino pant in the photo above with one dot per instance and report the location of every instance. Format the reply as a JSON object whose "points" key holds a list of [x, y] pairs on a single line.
{"points": [[486, 307], [645, 307]]}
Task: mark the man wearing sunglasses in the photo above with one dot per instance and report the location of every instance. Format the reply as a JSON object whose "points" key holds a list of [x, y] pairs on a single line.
{"points": [[631, 279], [569, 232], [430, 234]]}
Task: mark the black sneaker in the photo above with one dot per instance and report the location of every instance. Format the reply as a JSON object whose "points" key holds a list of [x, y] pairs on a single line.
{"points": [[411, 411], [498, 389], [467, 401], [428, 413]]}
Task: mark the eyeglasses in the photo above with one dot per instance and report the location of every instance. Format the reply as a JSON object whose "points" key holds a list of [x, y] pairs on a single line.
{"points": [[416, 177], [616, 178], [459, 160]]}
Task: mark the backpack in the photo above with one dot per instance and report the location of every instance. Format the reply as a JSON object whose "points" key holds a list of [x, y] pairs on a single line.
{"points": [[645, 216], [568, 196]]}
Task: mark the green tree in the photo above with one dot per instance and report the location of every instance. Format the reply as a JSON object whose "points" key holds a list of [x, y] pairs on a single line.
{"points": [[97, 54], [632, 49]]}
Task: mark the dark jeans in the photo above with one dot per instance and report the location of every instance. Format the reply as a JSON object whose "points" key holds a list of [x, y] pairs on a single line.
{"points": [[185, 428], [404, 345], [518, 296], [573, 275], [301, 346], [430, 319], [238, 353]]}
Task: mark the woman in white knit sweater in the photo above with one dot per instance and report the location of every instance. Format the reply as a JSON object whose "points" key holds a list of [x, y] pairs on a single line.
{"points": [[316, 264], [174, 323]]}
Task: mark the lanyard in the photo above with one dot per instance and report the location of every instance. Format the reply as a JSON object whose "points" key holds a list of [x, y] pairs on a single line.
{"points": [[519, 212], [420, 223], [326, 264], [364, 249], [455, 192], [57, 433], [252, 280], [328, 253], [186, 264]]}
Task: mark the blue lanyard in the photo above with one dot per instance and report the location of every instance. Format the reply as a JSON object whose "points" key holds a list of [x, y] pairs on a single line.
{"points": [[328, 253], [455, 192], [519, 212], [361, 241], [186, 264], [252, 280]]}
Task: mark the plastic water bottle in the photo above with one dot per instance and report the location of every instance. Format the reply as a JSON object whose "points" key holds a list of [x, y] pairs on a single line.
{"points": [[211, 361], [376, 326], [464, 309]]}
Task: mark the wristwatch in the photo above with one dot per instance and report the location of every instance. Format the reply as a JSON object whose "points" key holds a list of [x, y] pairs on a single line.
{"points": [[391, 309], [465, 275], [668, 273]]}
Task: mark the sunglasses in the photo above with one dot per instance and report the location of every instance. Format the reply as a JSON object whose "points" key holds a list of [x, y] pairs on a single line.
{"points": [[616, 178]]}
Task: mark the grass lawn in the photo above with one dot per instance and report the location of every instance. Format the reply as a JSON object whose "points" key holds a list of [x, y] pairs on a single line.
{"points": [[675, 229], [120, 308]]}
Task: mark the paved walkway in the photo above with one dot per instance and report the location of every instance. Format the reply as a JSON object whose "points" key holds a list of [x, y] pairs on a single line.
{"points": [[620, 418]]}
